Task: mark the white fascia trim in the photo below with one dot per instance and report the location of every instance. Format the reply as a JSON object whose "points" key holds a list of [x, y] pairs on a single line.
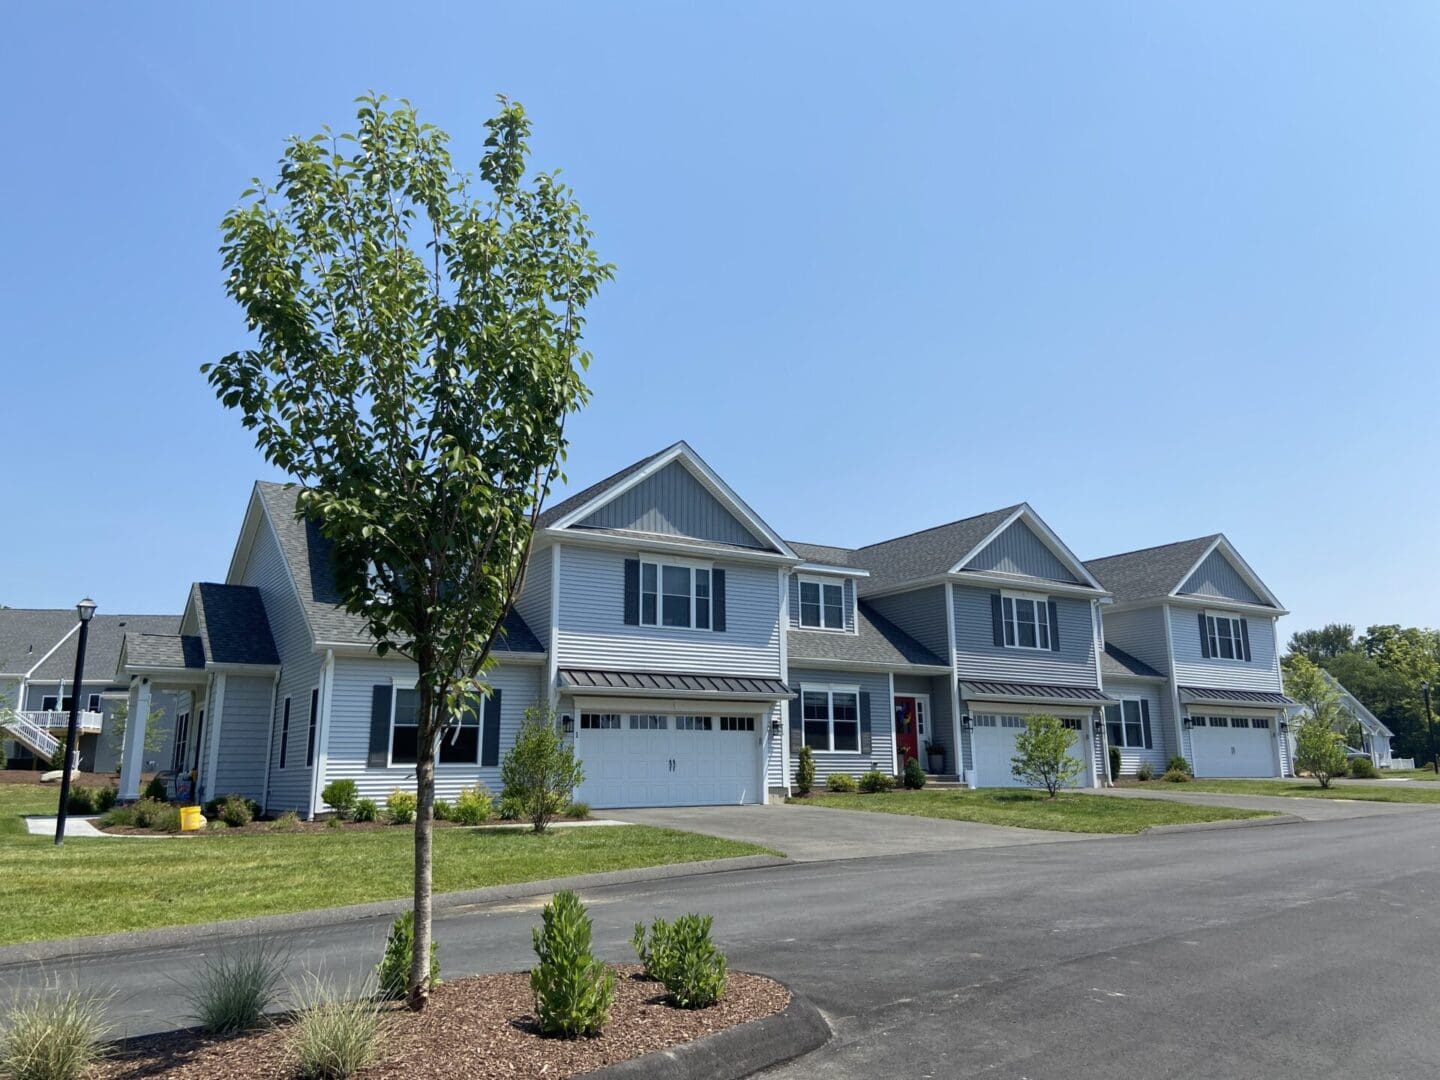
{"points": [[353, 649], [173, 674], [246, 539], [657, 542], [1238, 563], [1047, 537], [1223, 604], [51, 653], [826, 568], [1079, 709], [1034, 586], [707, 476], [804, 662]]}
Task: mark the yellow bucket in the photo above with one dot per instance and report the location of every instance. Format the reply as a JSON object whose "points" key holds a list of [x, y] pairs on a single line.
{"points": [[191, 820]]}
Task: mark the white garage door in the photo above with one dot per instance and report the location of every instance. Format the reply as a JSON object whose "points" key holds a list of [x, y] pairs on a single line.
{"points": [[635, 760], [992, 743], [1231, 746]]}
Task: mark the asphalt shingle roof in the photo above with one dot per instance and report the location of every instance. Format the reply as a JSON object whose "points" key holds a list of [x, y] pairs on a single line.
{"points": [[233, 625], [826, 554], [165, 651], [878, 641], [1150, 572], [927, 553], [1119, 663], [580, 498], [27, 634], [308, 554]]}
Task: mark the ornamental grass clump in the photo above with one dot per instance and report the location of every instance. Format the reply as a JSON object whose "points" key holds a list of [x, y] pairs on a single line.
{"points": [[234, 990], [573, 990], [393, 973], [53, 1035], [335, 1033]]}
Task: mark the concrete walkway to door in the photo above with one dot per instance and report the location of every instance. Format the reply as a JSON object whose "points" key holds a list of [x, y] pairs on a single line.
{"points": [[816, 834]]}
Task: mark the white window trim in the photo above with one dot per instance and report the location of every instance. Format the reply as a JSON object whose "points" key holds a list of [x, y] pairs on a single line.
{"points": [[1042, 611], [390, 763], [830, 690], [822, 583], [688, 564], [1213, 642], [1121, 699]]}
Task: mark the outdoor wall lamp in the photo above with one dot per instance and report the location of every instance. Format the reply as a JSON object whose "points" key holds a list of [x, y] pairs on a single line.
{"points": [[774, 727], [568, 722], [1186, 723], [1284, 726], [966, 723]]}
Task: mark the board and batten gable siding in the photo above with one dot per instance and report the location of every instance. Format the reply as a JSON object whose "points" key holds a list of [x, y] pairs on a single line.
{"points": [[591, 629], [1162, 724], [978, 657], [1216, 577], [849, 590], [244, 734], [533, 603], [882, 723], [1139, 632], [351, 697], [920, 613], [299, 672], [673, 503], [1017, 550], [1193, 669]]}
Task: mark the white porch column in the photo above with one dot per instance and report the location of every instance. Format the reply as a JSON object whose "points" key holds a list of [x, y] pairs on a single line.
{"points": [[132, 754]]}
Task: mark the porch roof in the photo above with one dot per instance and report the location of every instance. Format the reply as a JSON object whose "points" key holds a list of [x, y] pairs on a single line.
{"points": [[1042, 692], [1212, 695], [670, 683], [181, 652]]}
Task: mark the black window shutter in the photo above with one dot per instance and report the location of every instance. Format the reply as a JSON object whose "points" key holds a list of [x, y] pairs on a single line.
{"points": [[632, 592], [717, 600], [1245, 636], [1145, 722], [796, 735], [997, 619], [379, 726], [864, 721], [490, 735], [314, 719], [1204, 637], [1054, 628]]}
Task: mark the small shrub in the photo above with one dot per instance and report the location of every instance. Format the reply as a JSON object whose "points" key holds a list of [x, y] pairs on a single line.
{"points": [[649, 946], [510, 808], [335, 1034], [1362, 768], [289, 821], [213, 808], [577, 811], [216, 826], [105, 798], [393, 974], [1146, 771], [1114, 762], [57, 757], [1177, 776], [145, 814], [875, 781], [365, 810], [156, 790], [235, 811], [1177, 763], [55, 1035], [540, 769], [80, 801], [340, 795], [573, 990], [914, 774], [123, 816], [682, 957], [441, 810], [234, 990], [473, 805], [805, 771], [839, 783], [400, 807]]}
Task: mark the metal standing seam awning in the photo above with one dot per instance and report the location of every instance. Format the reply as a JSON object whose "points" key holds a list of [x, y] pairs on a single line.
{"points": [[1211, 695], [1033, 693], [672, 684]]}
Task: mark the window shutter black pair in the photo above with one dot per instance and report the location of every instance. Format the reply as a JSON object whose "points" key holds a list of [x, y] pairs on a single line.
{"points": [[997, 622], [1244, 642], [380, 700], [864, 721], [632, 596], [1145, 722]]}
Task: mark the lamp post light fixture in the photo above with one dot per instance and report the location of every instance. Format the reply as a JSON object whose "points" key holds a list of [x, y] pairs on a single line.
{"points": [[86, 610], [1430, 727]]}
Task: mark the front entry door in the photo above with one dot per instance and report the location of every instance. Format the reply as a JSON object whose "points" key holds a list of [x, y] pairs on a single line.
{"points": [[909, 722]]}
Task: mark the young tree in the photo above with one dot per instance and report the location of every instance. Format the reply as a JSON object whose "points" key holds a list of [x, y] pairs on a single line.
{"points": [[1319, 749], [1042, 754], [540, 769], [1320, 735], [417, 349]]}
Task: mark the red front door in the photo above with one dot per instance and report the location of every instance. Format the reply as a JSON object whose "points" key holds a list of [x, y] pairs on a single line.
{"points": [[907, 730]]}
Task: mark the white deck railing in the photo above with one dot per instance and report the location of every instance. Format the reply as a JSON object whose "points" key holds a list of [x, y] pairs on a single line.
{"points": [[34, 737], [58, 720]]}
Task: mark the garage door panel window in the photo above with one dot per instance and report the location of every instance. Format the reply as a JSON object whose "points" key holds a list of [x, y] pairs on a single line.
{"points": [[693, 723], [831, 719], [649, 723], [599, 721], [737, 723], [1127, 724]]}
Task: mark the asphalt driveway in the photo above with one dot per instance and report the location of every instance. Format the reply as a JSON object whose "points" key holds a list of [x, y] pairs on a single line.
{"points": [[814, 833]]}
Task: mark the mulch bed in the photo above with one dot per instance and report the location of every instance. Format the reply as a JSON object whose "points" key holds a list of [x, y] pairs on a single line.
{"points": [[320, 826], [478, 1028]]}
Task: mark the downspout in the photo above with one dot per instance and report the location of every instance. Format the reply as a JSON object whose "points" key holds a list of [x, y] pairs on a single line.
{"points": [[784, 580]]}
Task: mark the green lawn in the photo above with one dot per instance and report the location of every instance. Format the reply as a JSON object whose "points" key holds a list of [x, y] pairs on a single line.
{"points": [[1409, 774], [1070, 811], [1308, 789], [101, 886]]}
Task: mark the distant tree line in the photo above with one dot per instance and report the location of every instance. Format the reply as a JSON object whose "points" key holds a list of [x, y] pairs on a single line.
{"points": [[1383, 668]]}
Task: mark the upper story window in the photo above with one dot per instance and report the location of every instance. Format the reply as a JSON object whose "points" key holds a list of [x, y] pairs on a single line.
{"points": [[674, 594], [1026, 620], [822, 604], [1224, 636]]}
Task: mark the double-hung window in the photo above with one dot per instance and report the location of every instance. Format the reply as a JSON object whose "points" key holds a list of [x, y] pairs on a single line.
{"points": [[822, 605], [674, 594], [405, 726], [460, 741], [1127, 724], [1027, 621], [831, 718], [1227, 637]]}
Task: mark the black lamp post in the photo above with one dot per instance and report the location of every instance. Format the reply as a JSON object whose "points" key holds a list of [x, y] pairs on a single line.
{"points": [[85, 609], [1430, 727]]}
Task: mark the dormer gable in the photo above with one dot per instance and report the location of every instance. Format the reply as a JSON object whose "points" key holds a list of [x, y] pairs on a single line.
{"points": [[1218, 578], [1024, 548]]}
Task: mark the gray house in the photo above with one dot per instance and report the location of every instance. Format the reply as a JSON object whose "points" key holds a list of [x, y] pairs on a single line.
{"points": [[690, 649]]}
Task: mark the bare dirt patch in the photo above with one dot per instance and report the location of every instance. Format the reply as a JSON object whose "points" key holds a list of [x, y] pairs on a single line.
{"points": [[481, 1028]]}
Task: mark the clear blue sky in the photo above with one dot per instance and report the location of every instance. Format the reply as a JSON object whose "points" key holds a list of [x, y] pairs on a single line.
{"points": [[1160, 270]]}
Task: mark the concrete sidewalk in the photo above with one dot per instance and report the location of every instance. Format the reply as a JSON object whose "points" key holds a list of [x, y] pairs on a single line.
{"points": [[1307, 809]]}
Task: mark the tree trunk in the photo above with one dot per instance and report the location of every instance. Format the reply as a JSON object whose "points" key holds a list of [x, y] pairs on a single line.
{"points": [[424, 835]]}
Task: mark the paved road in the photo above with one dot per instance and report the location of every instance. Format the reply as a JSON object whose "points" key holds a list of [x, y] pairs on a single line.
{"points": [[1302, 950], [1310, 809]]}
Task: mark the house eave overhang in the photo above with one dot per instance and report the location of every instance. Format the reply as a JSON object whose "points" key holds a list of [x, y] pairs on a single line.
{"points": [[1238, 699], [658, 542], [1020, 583], [827, 568], [1225, 547], [831, 664], [1024, 512], [657, 695], [357, 649], [1221, 603]]}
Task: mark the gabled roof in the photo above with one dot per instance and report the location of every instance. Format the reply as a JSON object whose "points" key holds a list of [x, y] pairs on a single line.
{"points": [[565, 507], [308, 555], [826, 554], [927, 553], [165, 651], [27, 635], [1158, 572], [876, 641], [1117, 663], [232, 625]]}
